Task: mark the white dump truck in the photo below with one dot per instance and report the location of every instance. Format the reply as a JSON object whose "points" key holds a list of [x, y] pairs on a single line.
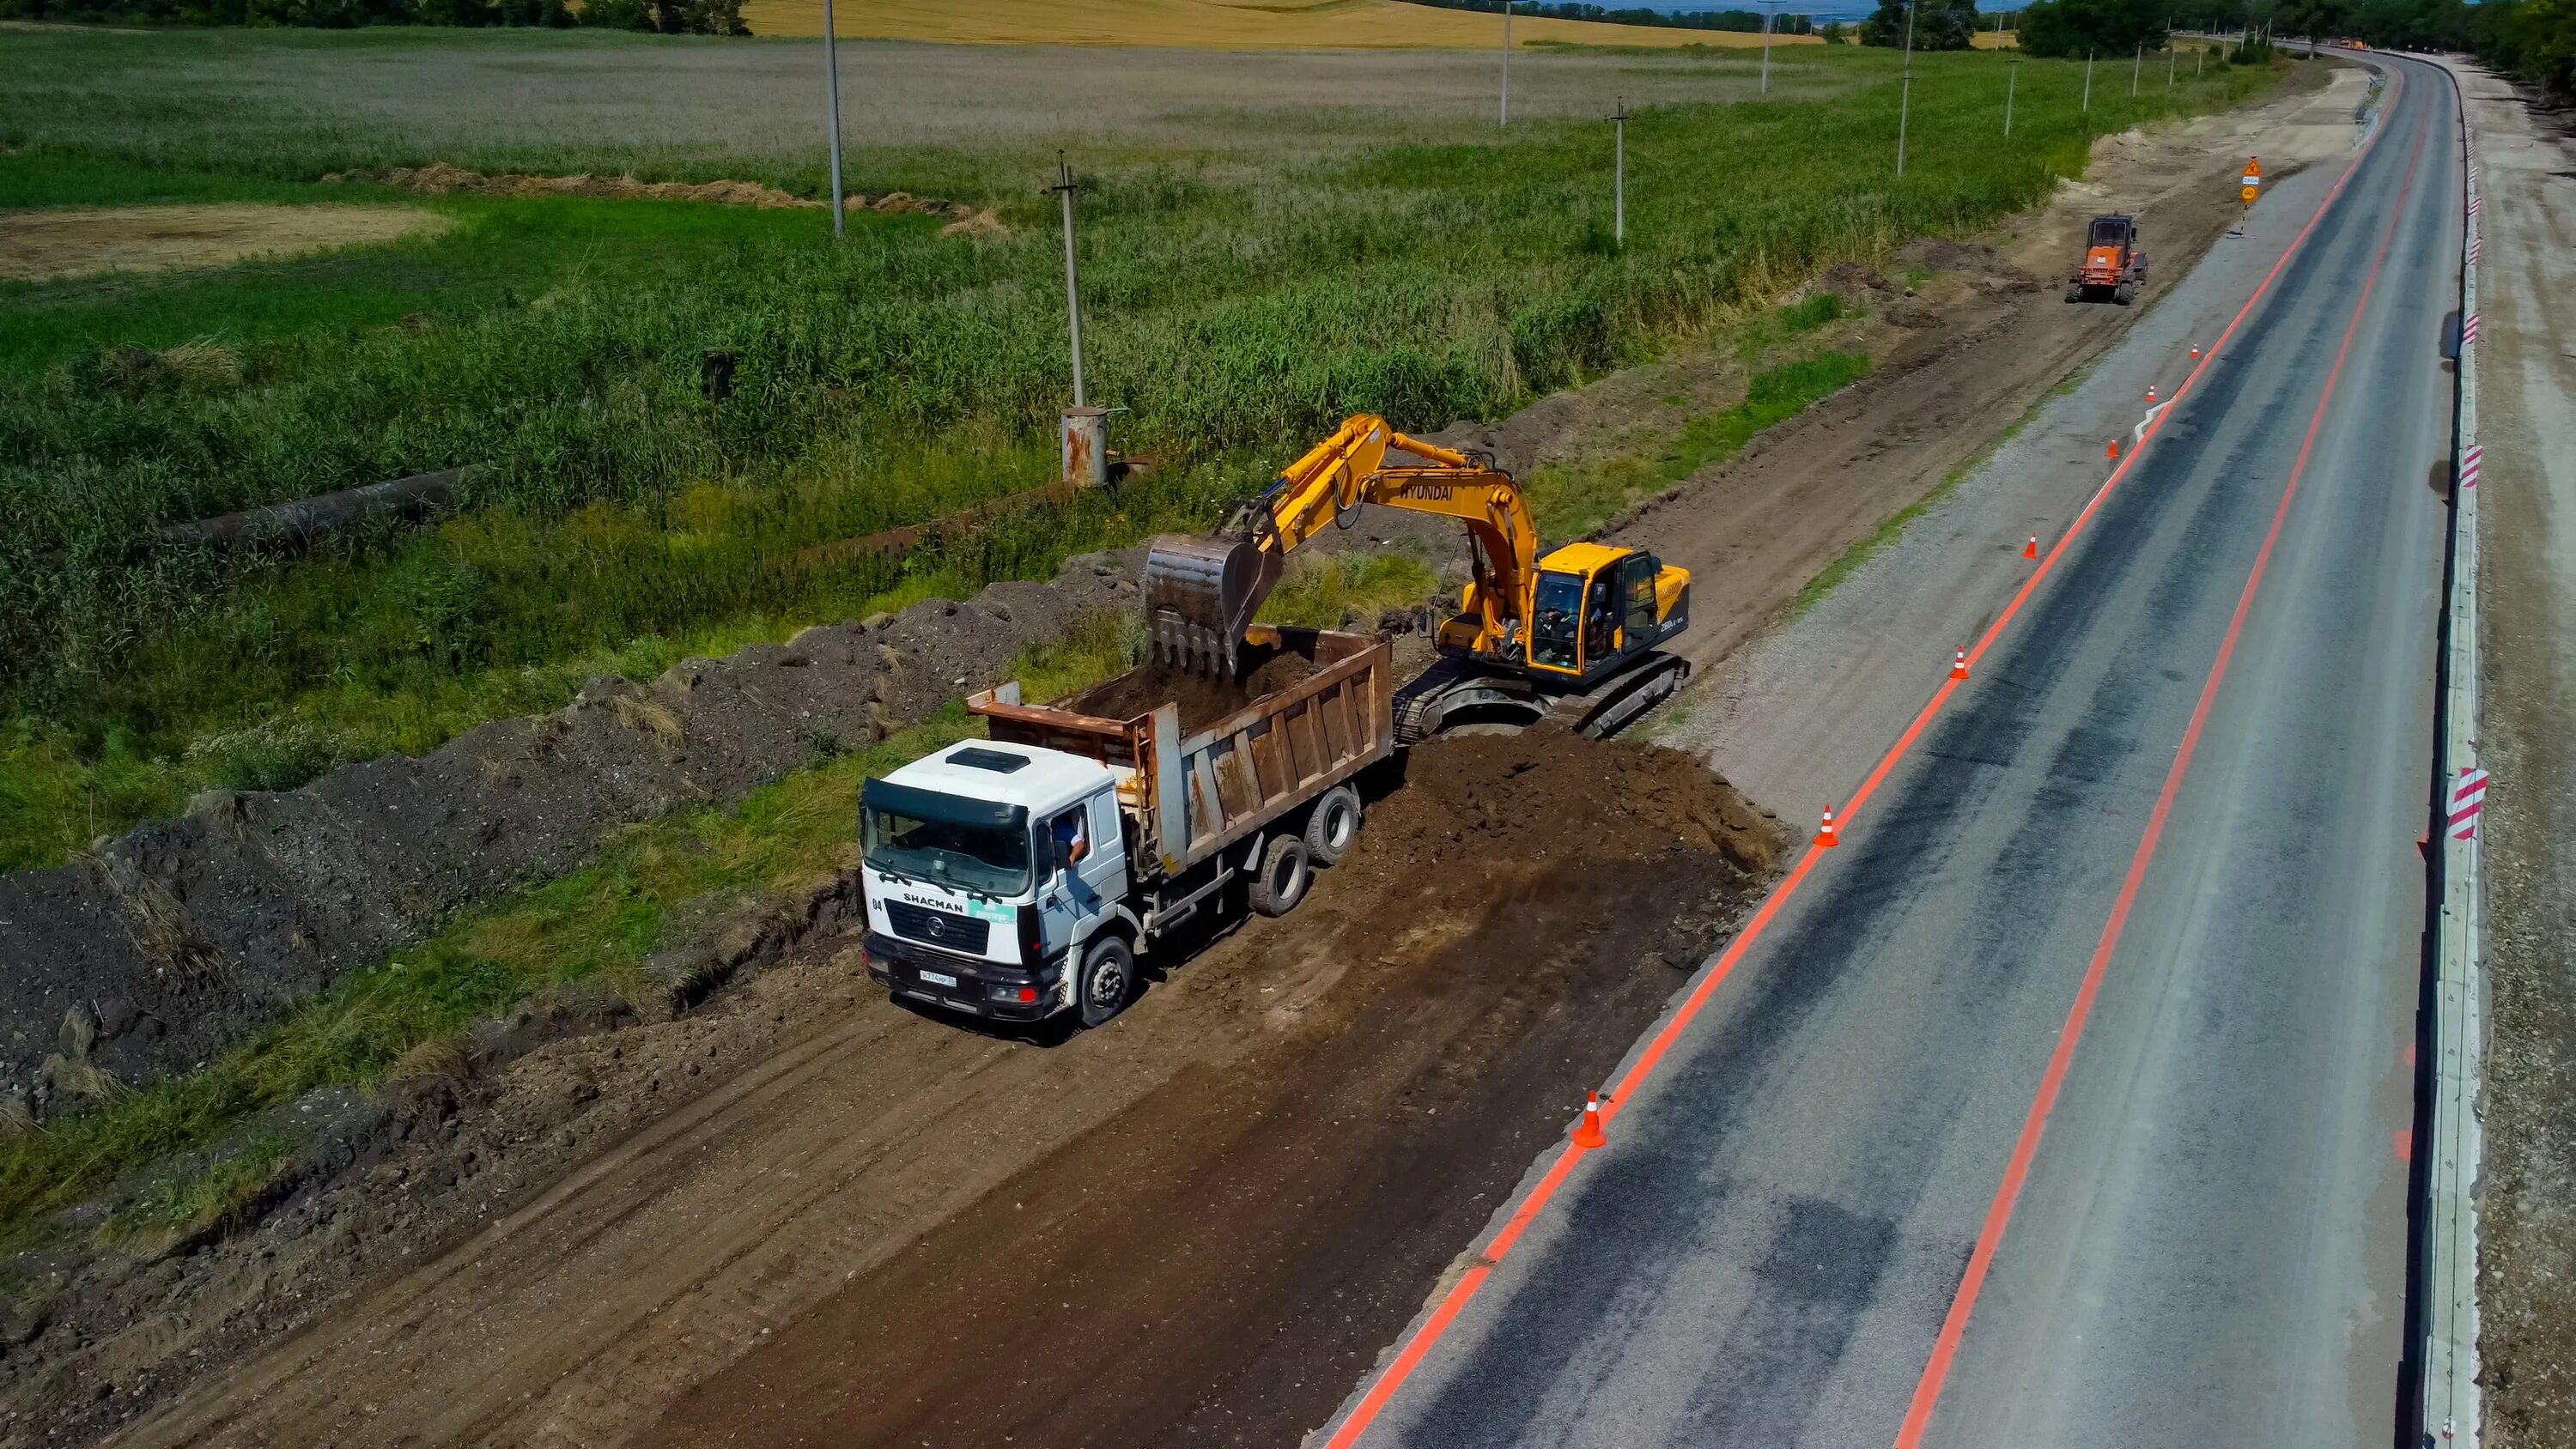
{"points": [[1019, 876]]}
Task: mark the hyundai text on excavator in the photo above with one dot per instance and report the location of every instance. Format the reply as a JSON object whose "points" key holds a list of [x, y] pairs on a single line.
{"points": [[2113, 267], [1568, 637]]}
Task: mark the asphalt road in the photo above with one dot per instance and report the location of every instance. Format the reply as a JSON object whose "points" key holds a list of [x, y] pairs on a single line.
{"points": [[2207, 1242]]}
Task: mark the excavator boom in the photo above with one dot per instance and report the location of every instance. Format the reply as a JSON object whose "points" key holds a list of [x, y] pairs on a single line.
{"points": [[1200, 594], [1571, 636]]}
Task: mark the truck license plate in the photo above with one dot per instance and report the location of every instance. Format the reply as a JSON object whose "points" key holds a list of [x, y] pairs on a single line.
{"points": [[938, 978]]}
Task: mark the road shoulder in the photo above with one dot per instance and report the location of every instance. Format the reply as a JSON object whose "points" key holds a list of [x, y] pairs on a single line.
{"points": [[2527, 595]]}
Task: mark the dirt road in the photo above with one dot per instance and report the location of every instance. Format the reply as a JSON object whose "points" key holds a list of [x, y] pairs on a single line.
{"points": [[1309, 1116], [862, 1225]]}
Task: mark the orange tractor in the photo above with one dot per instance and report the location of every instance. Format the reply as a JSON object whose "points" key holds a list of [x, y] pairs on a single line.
{"points": [[2113, 265]]}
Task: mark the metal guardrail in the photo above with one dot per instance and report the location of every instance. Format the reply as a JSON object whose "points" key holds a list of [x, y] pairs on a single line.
{"points": [[2448, 1391]]}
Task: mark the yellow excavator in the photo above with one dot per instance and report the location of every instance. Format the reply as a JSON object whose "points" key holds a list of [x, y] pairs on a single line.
{"points": [[1569, 637]]}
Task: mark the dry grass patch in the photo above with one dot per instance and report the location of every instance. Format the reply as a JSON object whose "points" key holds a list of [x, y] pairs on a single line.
{"points": [[48, 243]]}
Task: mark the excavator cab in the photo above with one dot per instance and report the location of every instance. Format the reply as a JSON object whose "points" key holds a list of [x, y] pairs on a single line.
{"points": [[1596, 608]]}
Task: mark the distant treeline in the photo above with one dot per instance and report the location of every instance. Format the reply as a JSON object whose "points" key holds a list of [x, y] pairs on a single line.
{"points": [[1737, 20], [668, 17], [2531, 40]]}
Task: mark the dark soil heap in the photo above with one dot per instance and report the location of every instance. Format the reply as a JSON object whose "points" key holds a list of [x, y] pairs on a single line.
{"points": [[1545, 797], [1203, 699]]}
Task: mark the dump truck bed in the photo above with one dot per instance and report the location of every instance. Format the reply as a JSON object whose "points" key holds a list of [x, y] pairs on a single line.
{"points": [[1193, 795]]}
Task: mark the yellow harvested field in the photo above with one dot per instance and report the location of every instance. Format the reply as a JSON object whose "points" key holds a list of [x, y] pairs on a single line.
{"points": [[1207, 24]]}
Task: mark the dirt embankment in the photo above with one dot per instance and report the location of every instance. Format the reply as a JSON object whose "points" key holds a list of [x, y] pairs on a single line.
{"points": [[1249, 1181], [166, 944]]}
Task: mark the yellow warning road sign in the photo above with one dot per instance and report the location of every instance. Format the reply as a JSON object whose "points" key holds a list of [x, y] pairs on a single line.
{"points": [[2247, 194], [2253, 169]]}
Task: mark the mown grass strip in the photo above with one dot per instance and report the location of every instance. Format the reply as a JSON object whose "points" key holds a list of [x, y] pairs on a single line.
{"points": [[601, 920]]}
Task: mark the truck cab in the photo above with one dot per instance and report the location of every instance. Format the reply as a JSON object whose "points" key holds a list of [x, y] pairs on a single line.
{"points": [[987, 867]]}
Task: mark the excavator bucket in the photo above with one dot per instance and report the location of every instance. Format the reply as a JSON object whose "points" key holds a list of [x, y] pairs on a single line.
{"points": [[1200, 595]]}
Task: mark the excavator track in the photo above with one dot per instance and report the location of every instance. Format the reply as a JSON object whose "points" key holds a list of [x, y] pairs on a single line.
{"points": [[1621, 700], [1455, 686]]}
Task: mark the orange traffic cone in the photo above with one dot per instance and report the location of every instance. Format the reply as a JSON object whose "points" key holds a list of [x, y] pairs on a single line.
{"points": [[1959, 665], [2151, 392], [2195, 352], [1588, 1133], [1826, 837], [2112, 452], [2031, 549]]}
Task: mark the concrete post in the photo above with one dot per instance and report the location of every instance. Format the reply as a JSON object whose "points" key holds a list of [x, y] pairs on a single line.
{"points": [[832, 110], [1086, 446]]}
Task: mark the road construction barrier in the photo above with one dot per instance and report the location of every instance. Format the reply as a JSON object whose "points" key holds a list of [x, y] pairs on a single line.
{"points": [[2447, 1391], [1588, 1133]]}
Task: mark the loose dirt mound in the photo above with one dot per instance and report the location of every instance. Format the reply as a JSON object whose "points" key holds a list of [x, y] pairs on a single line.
{"points": [[50, 243], [1203, 700], [1547, 799], [192, 931], [440, 179]]}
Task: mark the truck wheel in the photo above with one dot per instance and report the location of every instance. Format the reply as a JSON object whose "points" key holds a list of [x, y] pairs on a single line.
{"points": [[1334, 824], [1108, 981], [2075, 292], [1284, 875], [2125, 293]]}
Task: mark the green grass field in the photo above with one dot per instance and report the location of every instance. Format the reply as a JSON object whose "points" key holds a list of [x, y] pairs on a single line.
{"points": [[1249, 279]]}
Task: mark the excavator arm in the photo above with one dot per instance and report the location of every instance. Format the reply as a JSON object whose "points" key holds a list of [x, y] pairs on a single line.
{"points": [[1200, 595]]}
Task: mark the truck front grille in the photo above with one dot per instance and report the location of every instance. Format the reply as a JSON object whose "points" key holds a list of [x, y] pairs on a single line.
{"points": [[943, 929]]}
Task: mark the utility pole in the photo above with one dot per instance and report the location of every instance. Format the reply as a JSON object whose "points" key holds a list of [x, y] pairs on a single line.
{"points": [[1905, 102], [1768, 11], [1507, 64], [1064, 188], [1619, 174], [2172, 58], [2012, 76], [2137, 67], [832, 111], [2087, 107]]}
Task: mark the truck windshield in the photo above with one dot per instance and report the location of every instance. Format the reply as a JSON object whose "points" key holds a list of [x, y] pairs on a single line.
{"points": [[990, 858], [2110, 233], [1559, 614]]}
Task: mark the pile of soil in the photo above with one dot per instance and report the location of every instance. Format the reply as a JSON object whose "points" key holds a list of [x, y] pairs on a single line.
{"points": [[175, 939], [1551, 799], [1203, 699]]}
